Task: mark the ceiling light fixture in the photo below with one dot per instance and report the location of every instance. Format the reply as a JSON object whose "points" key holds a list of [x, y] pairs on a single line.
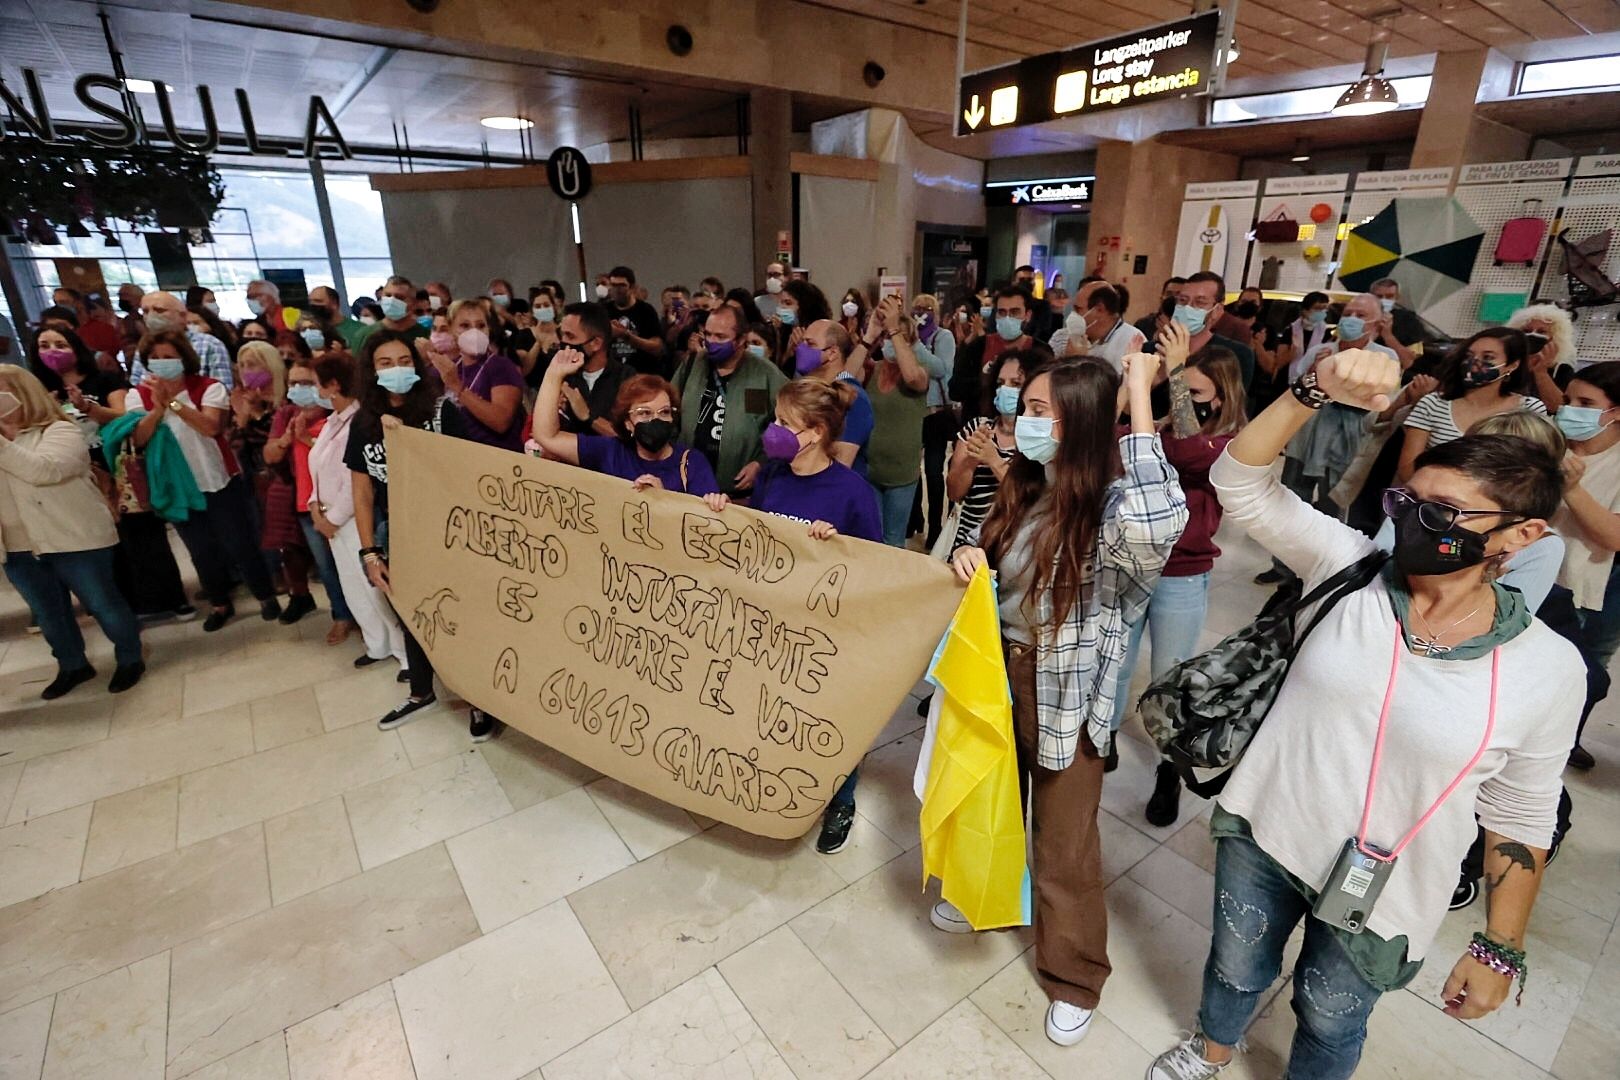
{"points": [[1302, 150], [142, 86], [1233, 52], [507, 123], [1372, 93]]}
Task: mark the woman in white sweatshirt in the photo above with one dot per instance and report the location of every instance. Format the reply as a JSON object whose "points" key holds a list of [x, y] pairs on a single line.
{"points": [[1448, 700]]}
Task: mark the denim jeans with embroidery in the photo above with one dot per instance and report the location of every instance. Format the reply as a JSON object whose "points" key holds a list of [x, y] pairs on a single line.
{"points": [[1256, 909]]}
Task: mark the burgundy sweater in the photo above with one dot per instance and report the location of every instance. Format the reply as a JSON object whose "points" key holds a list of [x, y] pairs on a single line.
{"points": [[1195, 552]]}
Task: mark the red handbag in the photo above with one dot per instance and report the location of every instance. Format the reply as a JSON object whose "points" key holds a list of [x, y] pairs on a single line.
{"points": [[1278, 227]]}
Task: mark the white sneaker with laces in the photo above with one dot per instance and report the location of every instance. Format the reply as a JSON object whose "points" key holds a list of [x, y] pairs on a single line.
{"points": [[948, 917], [1067, 1024], [1185, 1062]]}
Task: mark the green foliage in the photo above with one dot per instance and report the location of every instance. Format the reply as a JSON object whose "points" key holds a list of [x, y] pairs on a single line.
{"points": [[85, 181]]}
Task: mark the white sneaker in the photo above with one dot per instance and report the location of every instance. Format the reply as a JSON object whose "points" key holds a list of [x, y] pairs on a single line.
{"points": [[948, 917], [1067, 1024], [1184, 1062]]}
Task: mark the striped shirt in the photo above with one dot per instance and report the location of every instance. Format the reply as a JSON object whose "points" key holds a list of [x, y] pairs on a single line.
{"points": [[981, 492]]}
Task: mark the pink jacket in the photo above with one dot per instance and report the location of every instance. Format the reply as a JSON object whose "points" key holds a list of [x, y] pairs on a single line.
{"points": [[330, 479]]}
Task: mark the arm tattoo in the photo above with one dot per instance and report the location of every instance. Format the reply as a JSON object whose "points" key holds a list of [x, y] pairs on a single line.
{"points": [[1183, 421], [1516, 855]]}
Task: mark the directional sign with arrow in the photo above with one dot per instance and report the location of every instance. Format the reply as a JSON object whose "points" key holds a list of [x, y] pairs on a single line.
{"points": [[974, 113]]}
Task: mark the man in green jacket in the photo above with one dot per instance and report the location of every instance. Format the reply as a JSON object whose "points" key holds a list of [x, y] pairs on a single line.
{"points": [[727, 398]]}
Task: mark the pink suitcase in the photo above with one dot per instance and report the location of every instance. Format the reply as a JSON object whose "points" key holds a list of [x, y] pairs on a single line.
{"points": [[1521, 237]]}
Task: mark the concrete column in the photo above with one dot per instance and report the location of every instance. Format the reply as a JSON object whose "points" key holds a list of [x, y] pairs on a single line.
{"points": [[1450, 133], [770, 131]]}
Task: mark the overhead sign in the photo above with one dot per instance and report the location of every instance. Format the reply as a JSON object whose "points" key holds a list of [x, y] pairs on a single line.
{"points": [[1061, 191], [1496, 172], [1172, 60], [568, 173]]}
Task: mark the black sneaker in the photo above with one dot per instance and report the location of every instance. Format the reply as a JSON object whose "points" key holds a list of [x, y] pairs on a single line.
{"points": [[184, 613], [270, 610], [218, 618], [126, 676], [403, 676], [835, 828], [1581, 758], [924, 705], [366, 660], [1270, 577], [482, 726], [66, 681], [1165, 805], [297, 608], [1111, 761], [1467, 892], [404, 712]]}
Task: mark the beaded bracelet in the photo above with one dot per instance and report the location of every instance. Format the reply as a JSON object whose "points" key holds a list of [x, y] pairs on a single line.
{"points": [[1502, 959]]}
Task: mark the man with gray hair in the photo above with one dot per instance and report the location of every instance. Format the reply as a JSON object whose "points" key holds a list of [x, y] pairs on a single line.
{"points": [[1402, 328], [163, 311]]}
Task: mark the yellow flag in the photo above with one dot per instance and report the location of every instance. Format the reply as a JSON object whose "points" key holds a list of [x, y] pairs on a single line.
{"points": [[972, 813]]}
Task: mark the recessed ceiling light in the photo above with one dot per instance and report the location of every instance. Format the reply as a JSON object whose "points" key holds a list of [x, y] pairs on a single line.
{"points": [[143, 86], [506, 123]]}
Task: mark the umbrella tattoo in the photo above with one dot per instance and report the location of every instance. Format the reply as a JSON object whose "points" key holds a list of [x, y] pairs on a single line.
{"points": [[429, 617], [1516, 854]]}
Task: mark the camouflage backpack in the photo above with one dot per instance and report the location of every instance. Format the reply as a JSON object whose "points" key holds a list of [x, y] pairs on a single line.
{"points": [[1204, 711]]}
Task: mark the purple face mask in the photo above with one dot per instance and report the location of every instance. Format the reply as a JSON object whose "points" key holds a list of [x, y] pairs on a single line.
{"points": [[806, 358], [720, 351], [257, 379], [60, 361], [780, 444]]}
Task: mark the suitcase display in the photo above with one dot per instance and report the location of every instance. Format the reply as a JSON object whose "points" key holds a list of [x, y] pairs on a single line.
{"points": [[1521, 237]]}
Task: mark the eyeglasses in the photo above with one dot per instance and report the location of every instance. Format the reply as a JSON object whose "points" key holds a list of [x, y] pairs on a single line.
{"points": [[1438, 516], [1201, 303], [643, 413]]}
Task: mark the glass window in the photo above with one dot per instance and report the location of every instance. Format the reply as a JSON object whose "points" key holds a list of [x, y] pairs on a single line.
{"points": [[1316, 101], [357, 217], [1579, 74], [365, 276]]}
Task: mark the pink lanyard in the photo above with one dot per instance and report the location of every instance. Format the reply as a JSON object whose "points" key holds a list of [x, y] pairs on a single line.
{"points": [[1378, 754]]}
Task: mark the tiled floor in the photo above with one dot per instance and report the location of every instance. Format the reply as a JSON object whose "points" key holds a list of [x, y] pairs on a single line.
{"points": [[230, 874]]}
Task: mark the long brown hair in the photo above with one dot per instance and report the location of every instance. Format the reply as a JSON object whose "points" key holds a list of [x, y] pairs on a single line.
{"points": [[1221, 367], [1085, 396]]}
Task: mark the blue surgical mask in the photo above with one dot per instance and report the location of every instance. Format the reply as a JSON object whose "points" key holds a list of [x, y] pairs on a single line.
{"points": [[303, 395], [1317, 317], [323, 402], [1009, 327], [1351, 327], [501, 300], [425, 321], [1578, 423], [544, 314], [1035, 440], [1007, 400], [787, 316], [169, 370], [398, 380], [757, 352], [392, 307], [1191, 318], [888, 349], [255, 307], [313, 338], [986, 312], [1387, 303]]}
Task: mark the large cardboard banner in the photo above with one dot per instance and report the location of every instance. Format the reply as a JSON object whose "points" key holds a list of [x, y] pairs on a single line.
{"points": [[726, 663]]}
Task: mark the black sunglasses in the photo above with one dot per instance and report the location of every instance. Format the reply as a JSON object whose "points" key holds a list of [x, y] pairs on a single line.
{"points": [[1438, 516]]}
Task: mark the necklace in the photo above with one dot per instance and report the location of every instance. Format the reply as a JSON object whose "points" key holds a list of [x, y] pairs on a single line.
{"points": [[1431, 645]]}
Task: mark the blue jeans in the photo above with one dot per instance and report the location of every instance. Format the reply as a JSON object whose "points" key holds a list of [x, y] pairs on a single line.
{"points": [[1174, 617], [321, 551], [895, 502], [44, 581], [845, 795], [1256, 910]]}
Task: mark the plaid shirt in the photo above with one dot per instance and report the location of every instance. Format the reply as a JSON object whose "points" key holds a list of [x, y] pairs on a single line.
{"points": [[1076, 668]]}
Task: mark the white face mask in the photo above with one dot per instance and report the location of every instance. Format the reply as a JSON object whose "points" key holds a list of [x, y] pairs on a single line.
{"points": [[435, 301], [601, 292], [773, 285]]}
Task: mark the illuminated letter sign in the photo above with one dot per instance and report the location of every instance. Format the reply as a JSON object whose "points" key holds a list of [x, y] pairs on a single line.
{"points": [[1175, 59]]}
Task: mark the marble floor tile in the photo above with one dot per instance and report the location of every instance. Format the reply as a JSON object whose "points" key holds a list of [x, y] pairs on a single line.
{"points": [[239, 984], [663, 920], [1015, 1003], [155, 701], [87, 773], [1193, 843], [260, 669], [1126, 791], [696, 1031], [867, 848], [264, 1060], [42, 854], [884, 795], [1122, 846], [361, 1039], [1185, 887], [409, 811], [309, 849], [1591, 1046], [39, 728], [71, 935], [1587, 871], [23, 1034], [961, 1045], [530, 771], [360, 696], [112, 1027], [481, 1012], [132, 826], [10, 776], [285, 718], [821, 1032], [647, 825], [274, 782], [876, 940], [526, 860], [438, 732], [1157, 955]]}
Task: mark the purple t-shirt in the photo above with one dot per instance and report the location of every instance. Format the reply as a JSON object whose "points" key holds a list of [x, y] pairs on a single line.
{"points": [[616, 457], [836, 494], [482, 379]]}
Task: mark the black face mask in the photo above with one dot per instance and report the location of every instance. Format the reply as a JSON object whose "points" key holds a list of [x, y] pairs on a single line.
{"points": [[1204, 410], [653, 435], [1159, 399], [1423, 551]]}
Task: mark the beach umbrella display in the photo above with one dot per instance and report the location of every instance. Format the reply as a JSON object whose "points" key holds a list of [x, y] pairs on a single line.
{"points": [[1428, 244]]}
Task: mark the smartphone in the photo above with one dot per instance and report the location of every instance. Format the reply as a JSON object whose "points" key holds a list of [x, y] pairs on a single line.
{"points": [[1536, 342]]}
